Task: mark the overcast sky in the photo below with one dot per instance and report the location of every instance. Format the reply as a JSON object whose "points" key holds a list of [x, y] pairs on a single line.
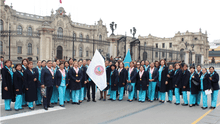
{"points": [[161, 18]]}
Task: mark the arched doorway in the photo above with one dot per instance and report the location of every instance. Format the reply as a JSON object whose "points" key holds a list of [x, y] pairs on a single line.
{"points": [[182, 54], [59, 52]]}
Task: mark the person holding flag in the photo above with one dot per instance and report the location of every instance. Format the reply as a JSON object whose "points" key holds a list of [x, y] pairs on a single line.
{"points": [[96, 73]]}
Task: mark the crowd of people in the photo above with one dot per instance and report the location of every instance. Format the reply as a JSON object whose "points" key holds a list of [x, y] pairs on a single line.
{"points": [[67, 82]]}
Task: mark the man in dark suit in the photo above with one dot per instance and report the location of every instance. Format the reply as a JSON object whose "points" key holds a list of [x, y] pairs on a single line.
{"points": [[47, 80]]}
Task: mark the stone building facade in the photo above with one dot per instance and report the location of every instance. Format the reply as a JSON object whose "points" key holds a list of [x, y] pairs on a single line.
{"points": [[56, 36], [49, 37]]}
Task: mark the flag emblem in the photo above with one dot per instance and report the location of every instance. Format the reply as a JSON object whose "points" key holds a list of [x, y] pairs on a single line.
{"points": [[99, 70]]}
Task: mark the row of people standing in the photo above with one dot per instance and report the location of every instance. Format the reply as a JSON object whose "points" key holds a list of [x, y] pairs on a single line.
{"points": [[65, 81]]}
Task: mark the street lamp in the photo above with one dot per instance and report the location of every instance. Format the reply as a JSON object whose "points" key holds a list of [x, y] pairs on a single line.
{"points": [[9, 41]]}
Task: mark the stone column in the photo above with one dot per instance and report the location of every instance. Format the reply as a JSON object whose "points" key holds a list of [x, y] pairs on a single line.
{"points": [[186, 57], [46, 42], [113, 46]]}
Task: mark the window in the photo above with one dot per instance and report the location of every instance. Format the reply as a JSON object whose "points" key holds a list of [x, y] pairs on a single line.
{"points": [[163, 45], [100, 37], [60, 32], [170, 45], [163, 54], [195, 38], [87, 38], [182, 39], [156, 45], [19, 49], [156, 54], [87, 53], [19, 30], [74, 36], [37, 51], [1, 47], [29, 49], [80, 52], [80, 37], [29, 59], [29, 31], [19, 58], [1, 25], [170, 54]]}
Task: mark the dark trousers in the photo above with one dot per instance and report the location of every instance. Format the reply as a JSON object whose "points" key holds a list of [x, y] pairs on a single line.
{"points": [[46, 101], [91, 84]]}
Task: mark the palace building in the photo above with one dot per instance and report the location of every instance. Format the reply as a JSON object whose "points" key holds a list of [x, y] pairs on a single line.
{"points": [[56, 36]]}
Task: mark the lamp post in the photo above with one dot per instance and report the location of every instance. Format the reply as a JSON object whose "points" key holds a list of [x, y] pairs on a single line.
{"points": [[9, 41]]}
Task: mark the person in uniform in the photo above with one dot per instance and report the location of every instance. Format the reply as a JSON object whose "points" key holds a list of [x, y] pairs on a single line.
{"points": [[61, 81], [37, 70], [47, 81], [131, 80], [55, 94], [18, 83], [177, 77], [31, 83], [67, 91], [114, 82], [121, 80], [83, 81], [205, 84], [153, 79], [74, 84], [198, 96], [163, 80], [185, 84], [24, 63], [214, 78], [7, 85], [169, 87], [142, 83]]}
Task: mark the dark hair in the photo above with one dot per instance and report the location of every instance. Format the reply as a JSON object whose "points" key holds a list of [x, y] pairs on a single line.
{"points": [[192, 67], [61, 63], [7, 61], [113, 65], [56, 60], [2, 57], [122, 64], [70, 59], [30, 62], [18, 65], [23, 61], [211, 67], [38, 61], [142, 66], [49, 61], [65, 62], [43, 61], [185, 65]]}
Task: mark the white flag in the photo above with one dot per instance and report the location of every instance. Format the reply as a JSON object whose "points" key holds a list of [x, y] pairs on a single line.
{"points": [[96, 71]]}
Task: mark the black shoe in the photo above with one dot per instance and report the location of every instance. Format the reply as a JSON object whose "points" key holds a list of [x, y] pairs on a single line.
{"points": [[50, 106], [16, 109], [211, 107], [109, 99], [24, 105], [204, 108], [93, 100], [139, 101], [52, 103], [176, 103], [197, 104], [142, 101], [68, 101], [150, 101], [45, 108], [62, 105], [190, 105], [193, 104], [78, 103], [73, 103], [88, 100], [55, 103], [184, 104], [104, 99], [100, 98], [162, 101], [21, 108], [119, 100], [31, 108], [135, 99]]}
